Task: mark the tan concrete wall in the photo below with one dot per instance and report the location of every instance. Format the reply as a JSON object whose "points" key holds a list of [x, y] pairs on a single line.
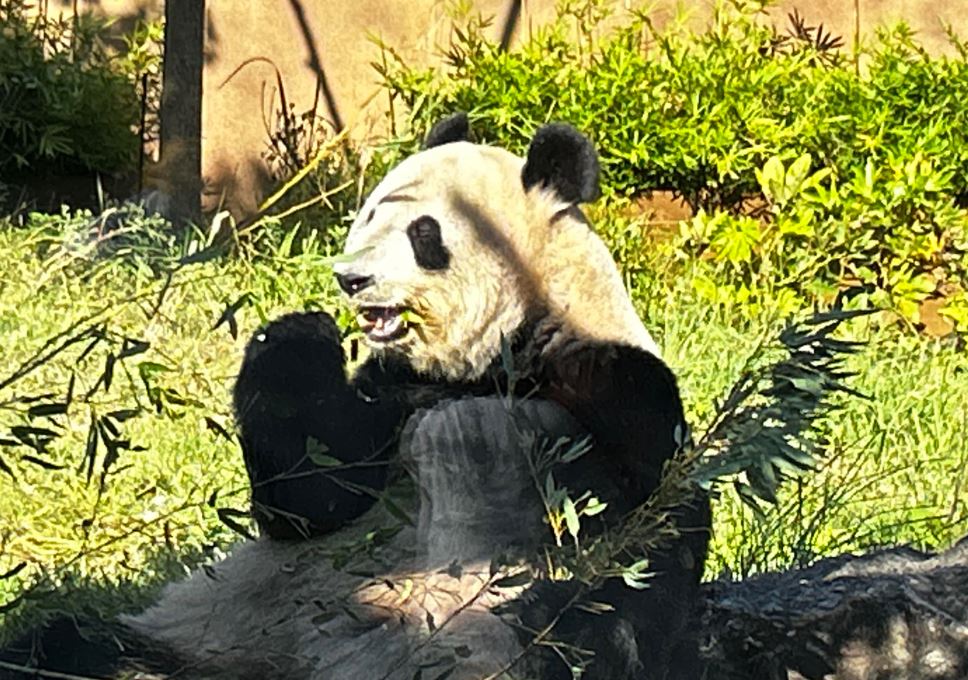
{"points": [[267, 35], [342, 31]]}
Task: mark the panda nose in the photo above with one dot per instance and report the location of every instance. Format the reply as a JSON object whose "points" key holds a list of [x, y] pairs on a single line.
{"points": [[353, 283]]}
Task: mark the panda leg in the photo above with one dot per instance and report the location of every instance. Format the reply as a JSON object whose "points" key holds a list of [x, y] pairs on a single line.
{"points": [[649, 634], [85, 646], [666, 613], [296, 413]]}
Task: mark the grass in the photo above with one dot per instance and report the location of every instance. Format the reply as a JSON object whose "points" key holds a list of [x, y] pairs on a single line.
{"points": [[137, 514], [896, 466], [65, 514]]}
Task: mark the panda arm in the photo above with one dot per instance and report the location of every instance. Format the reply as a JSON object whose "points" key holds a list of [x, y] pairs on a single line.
{"points": [[628, 400], [292, 401], [391, 378]]}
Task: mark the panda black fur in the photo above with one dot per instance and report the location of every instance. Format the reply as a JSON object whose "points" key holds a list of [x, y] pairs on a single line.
{"points": [[460, 250]]}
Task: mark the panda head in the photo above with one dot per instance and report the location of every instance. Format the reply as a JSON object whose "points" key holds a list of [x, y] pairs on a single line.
{"points": [[462, 243]]}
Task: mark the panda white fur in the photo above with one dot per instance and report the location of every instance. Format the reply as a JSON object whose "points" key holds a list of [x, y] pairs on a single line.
{"points": [[462, 250], [510, 252], [422, 599]]}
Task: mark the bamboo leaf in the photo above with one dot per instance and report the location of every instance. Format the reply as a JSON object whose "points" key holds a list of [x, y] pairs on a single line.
{"points": [[571, 518]]}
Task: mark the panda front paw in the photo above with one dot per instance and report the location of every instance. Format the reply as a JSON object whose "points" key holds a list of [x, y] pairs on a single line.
{"points": [[293, 404], [292, 358]]}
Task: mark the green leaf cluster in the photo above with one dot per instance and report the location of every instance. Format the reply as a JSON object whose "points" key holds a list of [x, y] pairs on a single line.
{"points": [[891, 236], [766, 429], [66, 103], [812, 173]]}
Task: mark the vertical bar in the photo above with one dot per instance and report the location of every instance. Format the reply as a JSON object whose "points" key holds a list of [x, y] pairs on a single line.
{"points": [[181, 104]]}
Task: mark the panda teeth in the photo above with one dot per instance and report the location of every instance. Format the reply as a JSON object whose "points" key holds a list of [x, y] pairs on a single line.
{"points": [[381, 323], [388, 326]]}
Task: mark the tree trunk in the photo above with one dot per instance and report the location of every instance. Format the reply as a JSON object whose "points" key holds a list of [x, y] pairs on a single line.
{"points": [[181, 106]]}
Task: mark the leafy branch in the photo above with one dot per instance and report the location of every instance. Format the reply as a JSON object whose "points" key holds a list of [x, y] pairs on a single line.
{"points": [[765, 431]]}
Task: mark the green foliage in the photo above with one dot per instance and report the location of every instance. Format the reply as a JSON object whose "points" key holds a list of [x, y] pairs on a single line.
{"points": [[878, 484], [894, 465], [812, 176], [141, 61], [76, 241], [765, 431], [693, 112], [890, 236], [118, 462], [163, 480], [66, 104]]}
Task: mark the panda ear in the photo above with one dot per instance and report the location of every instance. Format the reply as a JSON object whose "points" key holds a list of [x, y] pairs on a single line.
{"points": [[562, 159], [453, 128]]}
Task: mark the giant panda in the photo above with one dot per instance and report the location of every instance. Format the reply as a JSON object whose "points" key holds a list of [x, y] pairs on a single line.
{"points": [[497, 323]]}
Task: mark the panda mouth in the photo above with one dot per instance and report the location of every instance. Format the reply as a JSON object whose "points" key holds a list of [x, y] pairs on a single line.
{"points": [[382, 324]]}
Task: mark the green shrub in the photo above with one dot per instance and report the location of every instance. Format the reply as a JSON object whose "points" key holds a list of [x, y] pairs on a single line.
{"points": [[890, 235], [698, 112], [66, 104], [874, 148]]}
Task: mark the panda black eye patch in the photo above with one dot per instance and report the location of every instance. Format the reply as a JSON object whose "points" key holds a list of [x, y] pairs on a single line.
{"points": [[428, 247]]}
